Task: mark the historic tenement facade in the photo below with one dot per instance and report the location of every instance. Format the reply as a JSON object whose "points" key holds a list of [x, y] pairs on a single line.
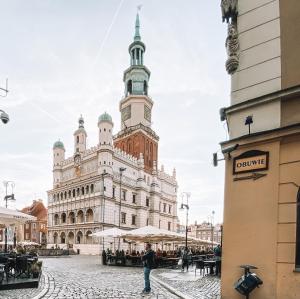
{"points": [[262, 170], [89, 186], [35, 230]]}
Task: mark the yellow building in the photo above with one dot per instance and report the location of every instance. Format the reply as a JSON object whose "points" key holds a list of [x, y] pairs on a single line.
{"points": [[262, 197]]}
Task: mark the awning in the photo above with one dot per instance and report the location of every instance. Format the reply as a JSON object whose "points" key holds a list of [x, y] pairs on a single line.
{"points": [[8, 217], [152, 234], [111, 232]]}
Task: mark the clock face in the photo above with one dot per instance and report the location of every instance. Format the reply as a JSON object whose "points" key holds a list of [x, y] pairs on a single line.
{"points": [[77, 159]]}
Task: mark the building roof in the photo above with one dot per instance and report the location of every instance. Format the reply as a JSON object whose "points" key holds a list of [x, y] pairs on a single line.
{"points": [[37, 209], [58, 144], [105, 117]]}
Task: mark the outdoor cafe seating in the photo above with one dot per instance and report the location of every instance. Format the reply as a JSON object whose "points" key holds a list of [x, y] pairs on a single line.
{"points": [[14, 266]]}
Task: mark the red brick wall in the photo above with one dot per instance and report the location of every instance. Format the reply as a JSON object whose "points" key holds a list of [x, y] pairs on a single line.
{"points": [[140, 143]]}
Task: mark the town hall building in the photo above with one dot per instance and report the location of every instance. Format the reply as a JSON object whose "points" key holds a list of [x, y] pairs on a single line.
{"points": [[116, 183]]}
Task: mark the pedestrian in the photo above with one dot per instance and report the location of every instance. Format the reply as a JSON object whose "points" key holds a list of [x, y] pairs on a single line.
{"points": [[148, 262], [218, 255], [185, 260]]}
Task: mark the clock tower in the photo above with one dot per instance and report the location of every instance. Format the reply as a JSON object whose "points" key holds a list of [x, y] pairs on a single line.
{"points": [[136, 135]]}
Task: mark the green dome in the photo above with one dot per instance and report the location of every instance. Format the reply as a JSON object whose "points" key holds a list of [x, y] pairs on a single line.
{"points": [[58, 144], [105, 117]]}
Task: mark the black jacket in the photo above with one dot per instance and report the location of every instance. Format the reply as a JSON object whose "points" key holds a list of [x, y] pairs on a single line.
{"points": [[149, 259]]}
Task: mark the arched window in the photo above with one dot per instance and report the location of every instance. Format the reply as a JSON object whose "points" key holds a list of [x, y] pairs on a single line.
{"points": [[82, 190], [79, 237], [89, 215], [63, 238], [77, 139], [65, 194], [87, 189], [63, 218], [129, 87], [92, 188], [73, 192], [72, 217], [297, 259], [56, 219], [78, 191], [145, 88], [70, 193]]}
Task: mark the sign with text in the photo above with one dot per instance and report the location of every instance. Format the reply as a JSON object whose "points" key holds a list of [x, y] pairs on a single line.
{"points": [[251, 161]]}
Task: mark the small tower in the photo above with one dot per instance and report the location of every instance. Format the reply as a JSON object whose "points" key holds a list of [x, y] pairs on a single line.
{"points": [[80, 137], [105, 156], [105, 126], [58, 157], [136, 106]]}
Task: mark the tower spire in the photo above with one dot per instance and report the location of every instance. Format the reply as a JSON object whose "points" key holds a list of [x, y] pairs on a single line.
{"points": [[137, 36]]}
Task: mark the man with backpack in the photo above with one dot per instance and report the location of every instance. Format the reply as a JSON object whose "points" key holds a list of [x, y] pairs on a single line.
{"points": [[149, 263]]}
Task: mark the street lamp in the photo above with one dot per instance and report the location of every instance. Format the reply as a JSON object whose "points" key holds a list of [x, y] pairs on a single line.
{"points": [[211, 220], [121, 170], [103, 203], [4, 117], [7, 198], [182, 207]]}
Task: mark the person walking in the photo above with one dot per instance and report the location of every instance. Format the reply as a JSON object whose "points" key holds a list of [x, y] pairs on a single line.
{"points": [[185, 260], [148, 262], [218, 255]]}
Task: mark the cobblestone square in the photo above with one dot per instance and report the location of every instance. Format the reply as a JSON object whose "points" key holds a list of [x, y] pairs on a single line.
{"points": [[84, 277]]}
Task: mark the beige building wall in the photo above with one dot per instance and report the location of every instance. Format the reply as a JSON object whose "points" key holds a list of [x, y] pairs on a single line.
{"points": [[260, 215], [259, 71]]}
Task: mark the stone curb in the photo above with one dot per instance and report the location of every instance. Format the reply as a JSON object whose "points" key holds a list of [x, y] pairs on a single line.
{"points": [[169, 288], [45, 290]]}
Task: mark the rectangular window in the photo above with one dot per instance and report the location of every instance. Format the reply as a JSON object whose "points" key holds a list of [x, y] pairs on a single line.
{"points": [[147, 201], [124, 194], [133, 218], [170, 208], [169, 225], [165, 207], [27, 226], [133, 198], [27, 236], [123, 218], [114, 192]]}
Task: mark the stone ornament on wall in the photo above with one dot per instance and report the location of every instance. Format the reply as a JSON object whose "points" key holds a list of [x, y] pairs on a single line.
{"points": [[232, 48], [229, 14], [229, 10]]}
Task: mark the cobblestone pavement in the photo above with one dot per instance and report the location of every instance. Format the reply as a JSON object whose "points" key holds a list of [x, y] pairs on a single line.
{"points": [[84, 277], [199, 287]]}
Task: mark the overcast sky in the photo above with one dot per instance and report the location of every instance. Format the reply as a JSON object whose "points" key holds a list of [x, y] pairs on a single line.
{"points": [[66, 58]]}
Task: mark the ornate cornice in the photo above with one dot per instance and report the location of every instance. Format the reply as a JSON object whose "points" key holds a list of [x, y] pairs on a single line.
{"points": [[129, 130]]}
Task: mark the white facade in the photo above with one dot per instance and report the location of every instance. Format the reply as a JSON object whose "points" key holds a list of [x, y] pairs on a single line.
{"points": [[89, 186]]}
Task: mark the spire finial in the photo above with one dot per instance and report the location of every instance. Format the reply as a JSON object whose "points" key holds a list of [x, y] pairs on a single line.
{"points": [[137, 36], [81, 121]]}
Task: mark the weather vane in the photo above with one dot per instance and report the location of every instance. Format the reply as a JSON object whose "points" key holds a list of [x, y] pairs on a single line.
{"points": [[139, 7]]}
